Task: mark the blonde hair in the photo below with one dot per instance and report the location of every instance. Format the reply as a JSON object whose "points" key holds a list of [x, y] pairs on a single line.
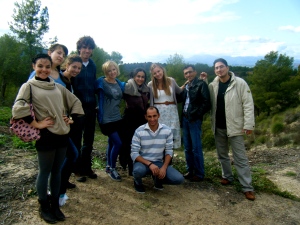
{"points": [[109, 63], [166, 81]]}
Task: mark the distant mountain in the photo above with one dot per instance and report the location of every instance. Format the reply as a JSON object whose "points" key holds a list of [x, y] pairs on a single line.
{"points": [[248, 61]]}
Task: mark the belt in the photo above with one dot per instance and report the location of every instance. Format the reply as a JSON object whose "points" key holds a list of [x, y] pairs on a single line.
{"points": [[166, 103]]}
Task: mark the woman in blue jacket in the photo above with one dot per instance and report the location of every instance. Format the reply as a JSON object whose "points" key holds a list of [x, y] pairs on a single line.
{"points": [[110, 92]]}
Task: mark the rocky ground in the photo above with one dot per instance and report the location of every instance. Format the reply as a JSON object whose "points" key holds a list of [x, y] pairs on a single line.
{"points": [[104, 201]]}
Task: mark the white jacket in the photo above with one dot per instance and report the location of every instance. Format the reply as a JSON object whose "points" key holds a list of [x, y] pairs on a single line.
{"points": [[239, 106]]}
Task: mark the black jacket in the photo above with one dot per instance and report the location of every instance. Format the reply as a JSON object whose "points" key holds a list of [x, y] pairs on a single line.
{"points": [[199, 100]]}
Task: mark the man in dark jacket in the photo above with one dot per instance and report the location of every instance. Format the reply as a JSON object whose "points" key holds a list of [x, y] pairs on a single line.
{"points": [[84, 127], [196, 102]]}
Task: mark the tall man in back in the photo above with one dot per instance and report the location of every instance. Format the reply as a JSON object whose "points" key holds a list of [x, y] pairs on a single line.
{"points": [[232, 117], [196, 102], [84, 127]]}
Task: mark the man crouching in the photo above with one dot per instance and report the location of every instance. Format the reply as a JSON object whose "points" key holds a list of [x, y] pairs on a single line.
{"points": [[152, 151]]}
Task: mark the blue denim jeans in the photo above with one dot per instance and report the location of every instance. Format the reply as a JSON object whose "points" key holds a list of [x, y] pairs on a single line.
{"points": [[193, 147], [140, 170]]}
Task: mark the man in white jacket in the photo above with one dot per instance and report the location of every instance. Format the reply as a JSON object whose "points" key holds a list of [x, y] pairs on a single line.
{"points": [[232, 116]]}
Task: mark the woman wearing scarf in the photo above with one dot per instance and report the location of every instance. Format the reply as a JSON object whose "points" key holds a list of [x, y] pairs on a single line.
{"points": [[136, 96]]}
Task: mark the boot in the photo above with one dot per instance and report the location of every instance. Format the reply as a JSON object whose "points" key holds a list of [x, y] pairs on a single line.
{"points": [[56, 210], [45, 211]]}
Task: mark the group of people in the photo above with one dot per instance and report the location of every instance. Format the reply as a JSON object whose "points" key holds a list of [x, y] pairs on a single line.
{"points": [[68, 97]]}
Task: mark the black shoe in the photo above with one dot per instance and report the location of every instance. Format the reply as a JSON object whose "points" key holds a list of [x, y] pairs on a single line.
{"points": [[70, 185], [81, 179], [45, 211], [92, 175], [56, 210], [139, 188], [157, 183], [196, 179], [188, 175]]}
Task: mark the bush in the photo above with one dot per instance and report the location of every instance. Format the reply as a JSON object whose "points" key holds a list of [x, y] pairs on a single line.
{"points": [[260, 140], [291, 117], [280, 141], [277, 127], [5, 115]]}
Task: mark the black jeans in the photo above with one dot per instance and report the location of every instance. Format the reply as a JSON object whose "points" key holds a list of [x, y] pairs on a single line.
{"points": [[82, 134]]}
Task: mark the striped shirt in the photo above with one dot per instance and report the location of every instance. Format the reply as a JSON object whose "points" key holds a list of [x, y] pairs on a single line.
{"points": [[151, 145]]}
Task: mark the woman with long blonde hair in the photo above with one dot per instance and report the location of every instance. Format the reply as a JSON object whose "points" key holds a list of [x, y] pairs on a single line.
{"points": [[163, 90]]}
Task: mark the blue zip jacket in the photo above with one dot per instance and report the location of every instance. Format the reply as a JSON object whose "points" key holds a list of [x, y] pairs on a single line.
{"points": [[100, 94]]}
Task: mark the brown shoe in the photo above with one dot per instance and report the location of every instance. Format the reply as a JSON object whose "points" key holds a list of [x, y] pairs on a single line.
{"points": [[196, 179], [225, 181], [250, 195]]}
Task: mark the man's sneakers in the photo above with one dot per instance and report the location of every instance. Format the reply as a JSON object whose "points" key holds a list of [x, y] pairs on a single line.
{"points": [[249, 195], [139, 188], [157, 183], [188, 175], [114, 174]]}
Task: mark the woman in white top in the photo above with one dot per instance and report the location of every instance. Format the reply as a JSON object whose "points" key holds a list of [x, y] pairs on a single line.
{"points": [[163, 90]]}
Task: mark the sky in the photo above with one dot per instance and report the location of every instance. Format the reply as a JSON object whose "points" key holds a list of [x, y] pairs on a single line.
{"points": [[154, 30]]}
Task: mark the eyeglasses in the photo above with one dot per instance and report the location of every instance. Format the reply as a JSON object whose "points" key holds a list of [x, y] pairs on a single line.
{"points": [[219, 67], [188, 72]]}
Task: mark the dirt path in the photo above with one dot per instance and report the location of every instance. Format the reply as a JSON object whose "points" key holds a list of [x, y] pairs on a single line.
{"points": [[104, 201]]}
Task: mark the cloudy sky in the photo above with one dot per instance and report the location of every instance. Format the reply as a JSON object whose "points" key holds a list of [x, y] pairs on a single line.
{"points": [[152, 30]]}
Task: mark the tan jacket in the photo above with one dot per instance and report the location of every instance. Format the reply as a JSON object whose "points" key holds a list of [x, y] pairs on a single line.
{"points": [[239, 106], [49, 100]]}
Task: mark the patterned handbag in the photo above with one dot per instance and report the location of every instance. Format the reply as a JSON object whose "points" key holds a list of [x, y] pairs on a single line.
{"points": [[22, 129]]}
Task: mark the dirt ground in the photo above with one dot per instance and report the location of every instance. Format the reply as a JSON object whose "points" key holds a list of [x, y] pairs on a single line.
{"points": [[104, 201]]}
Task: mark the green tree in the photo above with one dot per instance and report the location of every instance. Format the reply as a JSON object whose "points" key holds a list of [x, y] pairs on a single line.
{"points": [[267, 79], [12, 65], [174, 68], [29, 25], [99, 57], [117, 57]]}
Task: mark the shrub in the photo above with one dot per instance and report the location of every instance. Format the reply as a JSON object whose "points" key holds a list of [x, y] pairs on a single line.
{"points": [[5, 115], [277, 127], [291, 117], [260, 140], [280, 141]]}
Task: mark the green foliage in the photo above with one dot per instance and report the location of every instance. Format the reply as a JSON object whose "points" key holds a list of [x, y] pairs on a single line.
{"points": [[291, 174], [11, 73], [208, 139], [283, 140], [5, 115], [18, 143], [277, 127], [4, 140], [29, 24], [99, 57], [267, 80], [174, 68]]}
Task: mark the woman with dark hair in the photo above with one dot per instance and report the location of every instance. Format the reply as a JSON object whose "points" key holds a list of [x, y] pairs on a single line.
{"points": [[136, 96], [51, 103]]}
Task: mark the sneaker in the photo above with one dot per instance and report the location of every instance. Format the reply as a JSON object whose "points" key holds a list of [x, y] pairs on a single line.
{"points": [[70, 185], [139, 188], [81, 179], [114, 175], [158, 186], [92, 175], [157, 183], [63, 199], [107, 169], [196, 179], [188, 175]]}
